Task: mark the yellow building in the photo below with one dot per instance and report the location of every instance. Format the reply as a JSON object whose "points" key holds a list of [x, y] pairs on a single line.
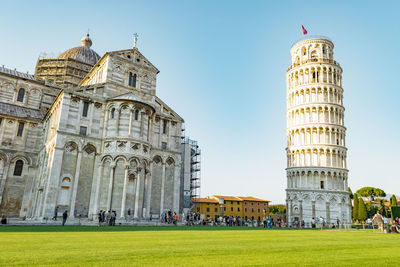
{"points": [[244, 207]]}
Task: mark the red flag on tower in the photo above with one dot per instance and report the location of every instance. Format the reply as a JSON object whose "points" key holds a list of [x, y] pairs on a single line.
{"points": [[304, 30]]}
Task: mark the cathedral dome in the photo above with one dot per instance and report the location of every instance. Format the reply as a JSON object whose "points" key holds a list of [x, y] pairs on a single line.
{"points": [[82, 53]]}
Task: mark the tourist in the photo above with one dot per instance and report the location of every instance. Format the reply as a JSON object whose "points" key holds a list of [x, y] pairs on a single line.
{"points": [[378, 219], [169, 216], [65, 216], [55, 213], [269, 221], [113, 217], [162, 216], [99, 218], [3, 219], [103, 217], [108, 217], [151, 217], [129, 215], [394, 228], [369, 222], [312, 223], [321, 222]]}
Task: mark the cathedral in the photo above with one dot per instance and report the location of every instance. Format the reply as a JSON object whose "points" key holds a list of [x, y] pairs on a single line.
{"points": [[87, 133]]}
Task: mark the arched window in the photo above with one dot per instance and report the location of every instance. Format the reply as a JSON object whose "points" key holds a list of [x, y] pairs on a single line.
{"points": [[132, 79], [19, 165], [21, 94], [314, 54], [136, 115], [112, 113]]}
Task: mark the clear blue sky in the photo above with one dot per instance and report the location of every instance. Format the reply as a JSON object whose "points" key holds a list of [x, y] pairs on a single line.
{"points": [[223, 69]]}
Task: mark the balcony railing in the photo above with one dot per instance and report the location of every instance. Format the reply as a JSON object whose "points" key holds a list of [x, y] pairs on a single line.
{"points": [[314, 60]]}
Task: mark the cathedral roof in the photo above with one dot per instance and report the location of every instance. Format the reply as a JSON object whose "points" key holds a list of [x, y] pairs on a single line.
{"points": [[130, 96], [17, 73], [82, 53], [20, 112]]}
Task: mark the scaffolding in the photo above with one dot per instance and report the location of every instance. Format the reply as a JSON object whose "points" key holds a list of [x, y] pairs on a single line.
{"points": [[195, 167]]}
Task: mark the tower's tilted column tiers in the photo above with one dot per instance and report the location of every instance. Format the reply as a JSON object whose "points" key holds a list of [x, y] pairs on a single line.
{"points": [[316, 148]]}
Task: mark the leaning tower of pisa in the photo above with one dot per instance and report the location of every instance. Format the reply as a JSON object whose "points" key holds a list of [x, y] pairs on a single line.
{"points": [[316, 148]]}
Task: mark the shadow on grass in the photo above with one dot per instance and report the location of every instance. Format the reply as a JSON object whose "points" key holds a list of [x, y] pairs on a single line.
{"points": [[59, 228]]}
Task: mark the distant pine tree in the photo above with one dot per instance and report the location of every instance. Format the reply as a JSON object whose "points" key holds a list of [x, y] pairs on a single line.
{"points": [[362, 210], [393, 201], [355, 207]]}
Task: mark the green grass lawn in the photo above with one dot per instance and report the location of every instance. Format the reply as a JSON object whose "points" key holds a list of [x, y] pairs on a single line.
{"points": [[183, 246]]}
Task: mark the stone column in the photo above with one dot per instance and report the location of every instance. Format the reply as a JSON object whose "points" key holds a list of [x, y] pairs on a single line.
{"points": [[91, 110], [177, 187], [95, 181], [117, 121], [328, 219], [141, 123], [80, 108], [124, 192], [51, 190], [4, 179], [26, 205], [75, 189], [105, 123], [313, 209], [148, 194], [160, 132], [162, 188], [289, 211], [110, 187], [100, 169], [137, 194], [301, 210], [130, 123]]}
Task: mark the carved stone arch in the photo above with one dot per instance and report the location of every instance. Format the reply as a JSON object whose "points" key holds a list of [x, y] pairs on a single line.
{"points": [[144, 162], [89, 148], [306, 197], [157, 159], [71, 145], [170, 161], [111, 105], [320, 197], [26, 159], [124, 106], [107, 158], [116, 158]]}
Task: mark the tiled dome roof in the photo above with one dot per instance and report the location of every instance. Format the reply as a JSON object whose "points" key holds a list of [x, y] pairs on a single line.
{"points": [[82, 53]]}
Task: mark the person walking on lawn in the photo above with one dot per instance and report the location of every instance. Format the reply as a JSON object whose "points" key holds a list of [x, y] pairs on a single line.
{"points": [[65, 216]]}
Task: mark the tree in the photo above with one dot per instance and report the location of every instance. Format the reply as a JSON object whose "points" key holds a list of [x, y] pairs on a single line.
{"points": [[362, 210], [350, 192], [371, 210], [355, 207], [393, 201], [371, 192], [277, 209]]}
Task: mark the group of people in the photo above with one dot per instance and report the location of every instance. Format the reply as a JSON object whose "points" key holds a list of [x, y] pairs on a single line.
{"points": [[64, 215], [383, 223], [169, 217], [231, 221], [321, 223], [107, 217]]}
